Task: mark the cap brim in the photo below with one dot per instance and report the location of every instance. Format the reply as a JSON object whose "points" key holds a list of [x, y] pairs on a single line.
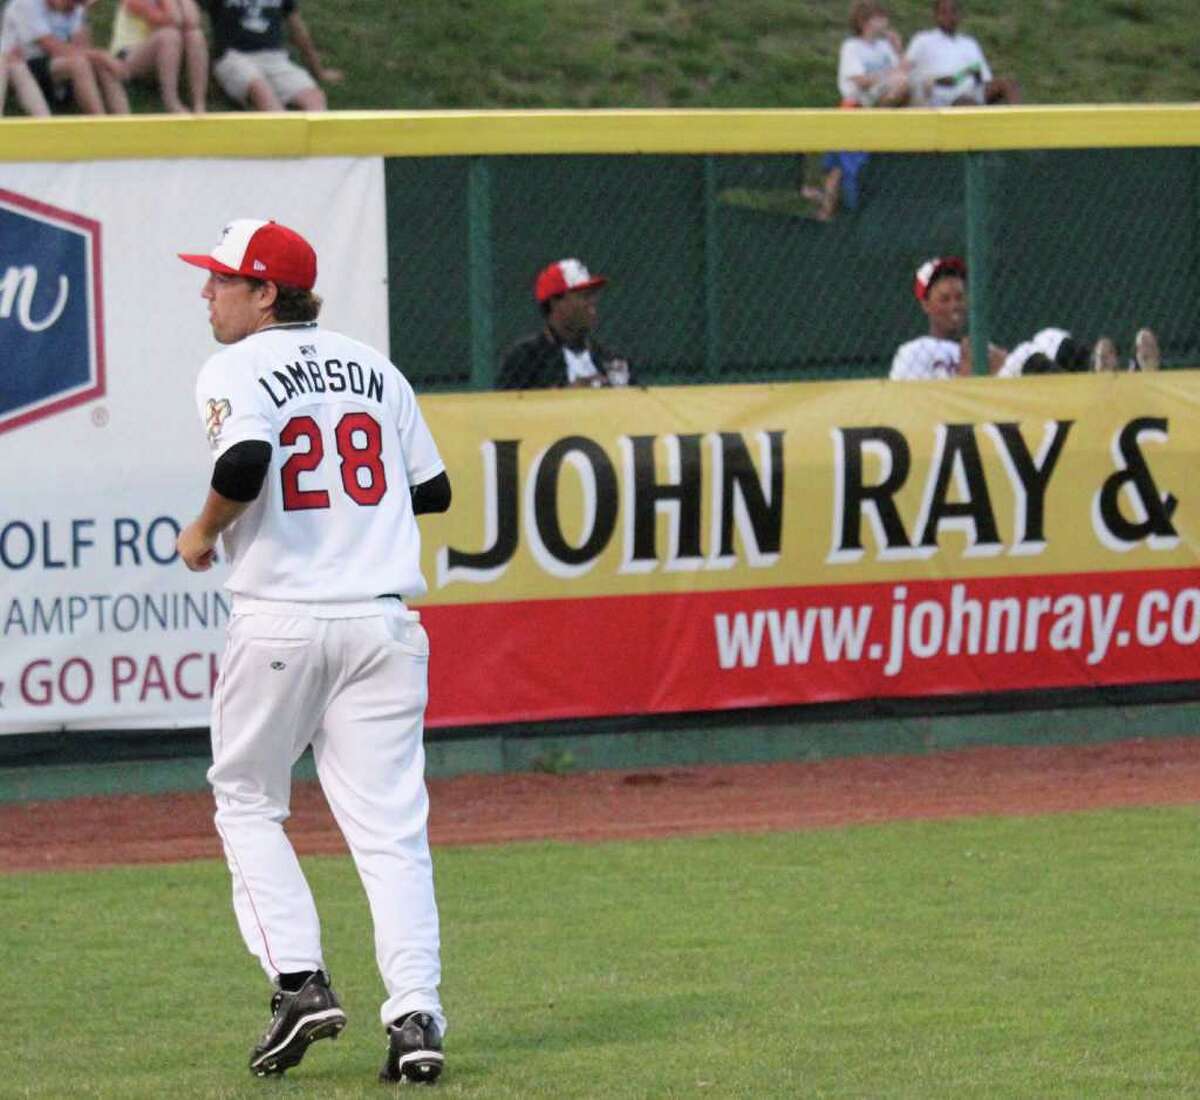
{"points": [[590, 284], [207, 262]]}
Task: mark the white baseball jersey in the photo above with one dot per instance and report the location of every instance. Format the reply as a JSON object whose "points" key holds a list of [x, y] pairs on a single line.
{"points": [[926, 357], [955, 59], [334, 519], [859, 57]]}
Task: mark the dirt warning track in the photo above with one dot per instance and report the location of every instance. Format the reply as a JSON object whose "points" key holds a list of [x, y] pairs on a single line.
{"points": [[89, 832]]}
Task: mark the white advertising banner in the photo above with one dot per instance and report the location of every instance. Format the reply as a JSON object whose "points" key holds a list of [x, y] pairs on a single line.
{"points": [[102, 333]]}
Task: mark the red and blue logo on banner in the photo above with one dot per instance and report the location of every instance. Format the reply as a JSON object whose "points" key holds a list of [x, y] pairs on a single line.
{"points": [[51, 310]]}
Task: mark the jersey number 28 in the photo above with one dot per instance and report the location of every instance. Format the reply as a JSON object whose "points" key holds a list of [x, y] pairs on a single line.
{"points": [[359, 443]]}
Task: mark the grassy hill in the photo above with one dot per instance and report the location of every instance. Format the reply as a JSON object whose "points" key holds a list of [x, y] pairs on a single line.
{"points": [[712, 53]]}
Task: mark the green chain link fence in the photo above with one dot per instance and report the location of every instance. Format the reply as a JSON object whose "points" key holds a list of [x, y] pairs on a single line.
{"points": [[719, 273]]}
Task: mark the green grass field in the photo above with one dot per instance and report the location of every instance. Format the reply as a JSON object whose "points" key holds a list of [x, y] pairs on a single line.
{"points": [[1041, 957], [700, 53]]}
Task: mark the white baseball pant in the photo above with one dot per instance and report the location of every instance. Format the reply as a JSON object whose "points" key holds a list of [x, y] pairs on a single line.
{"points": [[351, 679]]}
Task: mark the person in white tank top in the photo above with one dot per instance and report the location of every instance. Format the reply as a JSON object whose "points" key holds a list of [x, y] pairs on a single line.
{"points": [[322, 461]]}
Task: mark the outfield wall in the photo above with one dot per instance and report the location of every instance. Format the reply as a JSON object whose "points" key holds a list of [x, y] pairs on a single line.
{"points": [[675, 549]]}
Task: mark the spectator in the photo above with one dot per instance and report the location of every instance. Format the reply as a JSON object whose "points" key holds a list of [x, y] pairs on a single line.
{"points": [[871, 73], [53, 40], [949, 69], [253, 67], [155, 37], [940, 287], [14, 70], [563, 353]]}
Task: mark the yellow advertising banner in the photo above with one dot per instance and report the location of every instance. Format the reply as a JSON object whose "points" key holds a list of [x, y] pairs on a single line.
{"points": [[701, 548], [586, 493]]}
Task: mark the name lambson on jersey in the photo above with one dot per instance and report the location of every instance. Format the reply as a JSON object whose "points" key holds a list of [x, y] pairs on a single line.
{"points": [[306, 376]]}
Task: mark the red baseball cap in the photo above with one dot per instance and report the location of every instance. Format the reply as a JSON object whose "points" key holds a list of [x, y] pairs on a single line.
{"points": [[931, 270], [564, 275], [261, 250]]}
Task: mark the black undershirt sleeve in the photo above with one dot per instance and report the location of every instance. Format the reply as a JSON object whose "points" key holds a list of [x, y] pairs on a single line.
{"points": [[240, 471], [432, 495]]}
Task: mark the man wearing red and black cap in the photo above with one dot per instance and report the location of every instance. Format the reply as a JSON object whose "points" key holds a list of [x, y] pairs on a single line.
{"points": [[940, 287], [563, 353], [321, 462]]}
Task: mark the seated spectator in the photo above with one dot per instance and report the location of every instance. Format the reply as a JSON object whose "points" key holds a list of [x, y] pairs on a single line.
{"points": [[949, 69], [154, 38], [563, 353], [14, 71], [871, 73], [940, 287], [53, 40], [252, 64]]}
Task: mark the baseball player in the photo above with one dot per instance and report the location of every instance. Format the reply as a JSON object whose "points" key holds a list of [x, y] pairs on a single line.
{"points": [[322, 462]]}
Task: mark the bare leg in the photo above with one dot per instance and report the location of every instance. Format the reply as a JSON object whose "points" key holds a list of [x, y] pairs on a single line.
{"points": [[160, 53], [1104, 355], [195, 50], [261, 97], [829, 197], [29, 92], [77, 70], [114, 91], [1002, 90], [313, 99], [1146, 353]]}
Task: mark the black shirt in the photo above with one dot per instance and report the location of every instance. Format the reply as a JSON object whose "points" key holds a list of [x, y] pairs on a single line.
{"points": [[538, 363], [248, 25]]}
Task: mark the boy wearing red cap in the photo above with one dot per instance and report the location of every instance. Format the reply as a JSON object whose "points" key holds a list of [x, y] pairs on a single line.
{"points": [[563, 353], [940, 287]]}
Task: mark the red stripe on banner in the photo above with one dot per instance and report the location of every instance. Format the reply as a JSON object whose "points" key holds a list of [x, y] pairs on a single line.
{"points": [[542, 659]]}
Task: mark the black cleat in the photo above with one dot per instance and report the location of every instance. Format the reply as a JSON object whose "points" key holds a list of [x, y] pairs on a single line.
{"points": [[414, 1050], [297, 1019]]}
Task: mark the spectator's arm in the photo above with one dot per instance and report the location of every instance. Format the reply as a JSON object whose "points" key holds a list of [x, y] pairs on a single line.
{"points": [[81, 40], [298, 30], [985, 70], [148, 11], [852, 76], [995, 358], [56, 47], [914, 66]]}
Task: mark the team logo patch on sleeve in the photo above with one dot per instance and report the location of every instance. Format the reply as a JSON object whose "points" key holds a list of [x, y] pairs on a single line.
{"points": [[216, 412]]}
